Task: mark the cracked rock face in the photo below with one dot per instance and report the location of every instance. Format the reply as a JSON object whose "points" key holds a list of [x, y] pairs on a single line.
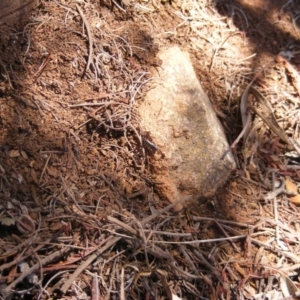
{"points": [[194, 157]]}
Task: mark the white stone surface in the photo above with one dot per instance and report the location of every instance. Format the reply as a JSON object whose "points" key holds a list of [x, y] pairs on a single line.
{"points": [[194, 157]]}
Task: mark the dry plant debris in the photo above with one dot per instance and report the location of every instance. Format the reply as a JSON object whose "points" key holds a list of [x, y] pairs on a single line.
{"points": [[79, 216]]}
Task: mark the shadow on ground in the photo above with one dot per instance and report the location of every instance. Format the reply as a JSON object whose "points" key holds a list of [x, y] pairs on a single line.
{"points": [[266, 24]]}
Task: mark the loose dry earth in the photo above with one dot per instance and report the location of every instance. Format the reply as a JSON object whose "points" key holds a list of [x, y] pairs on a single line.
{"points": [[80, 217]]}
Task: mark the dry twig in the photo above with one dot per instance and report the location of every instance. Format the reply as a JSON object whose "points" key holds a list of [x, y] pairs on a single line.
{"points": [[90, 37]]}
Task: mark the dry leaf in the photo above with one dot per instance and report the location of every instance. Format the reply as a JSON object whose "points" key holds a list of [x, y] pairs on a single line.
{"points": [[25, 224], [263, 109], [34, 176], [24, 154], [5, 221], [292, 72], [14, 153], [290, 186], [287, 286], [52, 172], [174, 297], [12, 274], [2, 170], [55, 226], [166, 287]]}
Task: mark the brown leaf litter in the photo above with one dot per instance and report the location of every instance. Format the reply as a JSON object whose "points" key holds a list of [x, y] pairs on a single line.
{"points": [[79, 213]]}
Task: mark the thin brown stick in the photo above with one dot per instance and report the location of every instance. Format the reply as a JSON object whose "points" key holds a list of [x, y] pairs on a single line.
{"points": [[44, 169], [226, 234], [121, 224], [92, 104], [95, 287], [295, 258], [90, 38], [168, 233], [207, 264], [187, 257], [203, 241], [40, 70], [110, 242], [243, 225], [161, 211], [245, 114], [122, 292]]}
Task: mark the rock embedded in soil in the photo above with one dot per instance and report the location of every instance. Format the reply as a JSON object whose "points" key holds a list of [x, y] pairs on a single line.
{"points": [[194, 157]]}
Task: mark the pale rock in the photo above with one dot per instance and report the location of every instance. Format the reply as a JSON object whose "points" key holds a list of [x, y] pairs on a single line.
{"points": [[194, 157]]}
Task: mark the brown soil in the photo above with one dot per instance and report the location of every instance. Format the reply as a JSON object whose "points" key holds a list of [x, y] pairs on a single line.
{"points": [[77, 201]]}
